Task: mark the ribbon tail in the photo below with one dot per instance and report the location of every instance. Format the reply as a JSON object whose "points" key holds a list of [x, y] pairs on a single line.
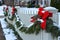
{"points": [[43, 25]]}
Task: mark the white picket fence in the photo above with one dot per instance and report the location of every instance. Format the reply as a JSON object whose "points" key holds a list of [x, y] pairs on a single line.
{"points": [[25, 15]]}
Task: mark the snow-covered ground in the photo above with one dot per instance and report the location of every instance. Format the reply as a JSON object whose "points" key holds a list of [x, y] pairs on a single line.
{"points": [[1, 10], [9, 35]]}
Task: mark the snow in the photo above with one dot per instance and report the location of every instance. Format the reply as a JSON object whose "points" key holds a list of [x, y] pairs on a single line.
{"points": [[41, 20], [58, 37], [1, 8], [50, 8], [9, 35]]}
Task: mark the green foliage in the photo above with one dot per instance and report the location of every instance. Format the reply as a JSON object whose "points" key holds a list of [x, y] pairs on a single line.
{"points": [[23, 29], [5, 13], [56, 4], [38, 29], [58, 33], [37, 6], [31, 29], [15, 10], [35, 28], [54, 30], [31, 5], [18, 24], [5, 20], [49, 25]]}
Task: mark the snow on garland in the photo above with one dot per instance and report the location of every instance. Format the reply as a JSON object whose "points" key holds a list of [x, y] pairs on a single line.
{"points": [[40, 22], [18, 24], [12, 17]]}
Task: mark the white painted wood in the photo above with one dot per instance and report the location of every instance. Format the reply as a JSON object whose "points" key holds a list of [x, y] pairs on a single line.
{"points": [[58, 19], [25, 15]]}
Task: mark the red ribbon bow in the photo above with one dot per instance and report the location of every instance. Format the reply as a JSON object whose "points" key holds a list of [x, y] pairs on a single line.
{"points": [[7, 9], [13, 10], [43, 17]]}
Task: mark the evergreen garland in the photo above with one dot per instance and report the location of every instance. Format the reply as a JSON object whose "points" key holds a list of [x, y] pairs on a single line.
{"points": [[23, 29], [54, 30], [18, 24], [5, 20], [5, 13], [35, 28], [56, 4], [32, 5]]}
